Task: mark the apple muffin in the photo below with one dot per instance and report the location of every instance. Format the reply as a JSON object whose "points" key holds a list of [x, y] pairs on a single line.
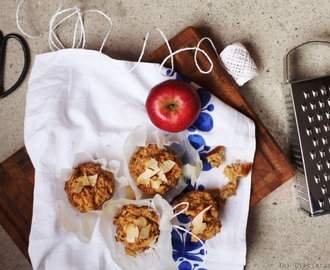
{"points": [[89, 186], [155, 170], [203, 213], [137, 228]]}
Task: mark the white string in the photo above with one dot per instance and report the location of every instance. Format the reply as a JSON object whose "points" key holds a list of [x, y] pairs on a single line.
{"points": [[82, 31], [82, 39], [52, 29], [17, 22], [184, 209], [110, 22], [195, 59]]}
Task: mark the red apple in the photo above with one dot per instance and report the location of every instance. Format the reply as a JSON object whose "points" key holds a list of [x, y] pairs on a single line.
{"points": [[173, 105]]}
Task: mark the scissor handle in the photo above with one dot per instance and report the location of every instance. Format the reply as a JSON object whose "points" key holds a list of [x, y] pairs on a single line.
{"points": [[286, 64], [3, 42]]}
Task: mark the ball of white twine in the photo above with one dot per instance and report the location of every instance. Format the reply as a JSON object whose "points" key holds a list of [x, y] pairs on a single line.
{"points": [[238, 63]]}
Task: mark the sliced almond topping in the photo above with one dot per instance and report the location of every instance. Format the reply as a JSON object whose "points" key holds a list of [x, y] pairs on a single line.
{"points": [[85, 180], [132, 232], [198, 226], [141, 222], [78, 188], [93, 179], [167, 165], [155, 184], [145, 232], [152, 169]]}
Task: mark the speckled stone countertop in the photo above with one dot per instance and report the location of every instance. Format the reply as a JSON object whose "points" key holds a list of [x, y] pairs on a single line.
{"points": [[278, 235]]}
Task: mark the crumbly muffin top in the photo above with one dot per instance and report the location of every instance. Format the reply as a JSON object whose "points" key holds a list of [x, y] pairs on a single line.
{"points": [[203, 212], [154, 169], [137, 228], [89, 187]]}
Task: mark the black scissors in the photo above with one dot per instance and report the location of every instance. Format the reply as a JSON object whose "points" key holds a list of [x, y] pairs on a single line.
{"points": [[3, 43]]}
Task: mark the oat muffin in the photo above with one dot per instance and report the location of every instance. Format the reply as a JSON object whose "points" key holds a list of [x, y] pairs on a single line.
{"points": [[155, 170], [89, 187], [137, 228], [200, 201]]}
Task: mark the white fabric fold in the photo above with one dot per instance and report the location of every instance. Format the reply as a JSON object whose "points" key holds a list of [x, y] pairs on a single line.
{"points": [[81, 100]]}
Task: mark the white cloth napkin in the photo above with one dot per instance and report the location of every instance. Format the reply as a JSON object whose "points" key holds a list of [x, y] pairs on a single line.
{"points": [[80, 100]]}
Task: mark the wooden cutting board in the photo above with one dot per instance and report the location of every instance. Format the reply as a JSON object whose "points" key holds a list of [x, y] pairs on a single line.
{"points": [[271, 167]]}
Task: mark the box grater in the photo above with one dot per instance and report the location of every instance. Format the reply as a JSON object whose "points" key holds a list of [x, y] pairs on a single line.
{"points": [[308, 108]]}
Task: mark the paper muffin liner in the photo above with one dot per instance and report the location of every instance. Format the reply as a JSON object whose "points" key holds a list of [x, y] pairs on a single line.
{"points": [[83, 224], [178, 142], [158, 256]]}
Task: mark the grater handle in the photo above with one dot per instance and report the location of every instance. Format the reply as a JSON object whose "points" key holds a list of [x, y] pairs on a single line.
{"points": [[286, 65]]}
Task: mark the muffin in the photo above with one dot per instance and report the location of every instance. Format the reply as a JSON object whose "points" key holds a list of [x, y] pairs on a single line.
{"points": [[89, 186], [137, 228], [155, 170], [202, 211]]}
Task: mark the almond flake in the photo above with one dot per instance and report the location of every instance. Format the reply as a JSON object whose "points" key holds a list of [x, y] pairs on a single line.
{"points": [[145, 232], [198, 226], [166, 166], [78, 188], [132, 232], [84, 180], [93, 179], [141, 222], [155, 184]]}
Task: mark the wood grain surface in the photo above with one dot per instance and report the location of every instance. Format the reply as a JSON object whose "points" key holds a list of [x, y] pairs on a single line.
{"points": [[271, 167]]}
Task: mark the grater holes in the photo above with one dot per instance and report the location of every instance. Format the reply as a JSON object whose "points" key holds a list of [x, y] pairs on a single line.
{"points": [[327, 114], [322, 103], [317, 179], [326, 176], [313, 104], [326, 127], [322, 153], [328, 101], [323, 90], [313, 154], [311, 118], [304, 106], [321, 203], [315, 141], [319, 165], [328, 164], [318, 129], [309, 131], [315, 93], [307, 94], [324, 140], [324, 189], [319, 116]]}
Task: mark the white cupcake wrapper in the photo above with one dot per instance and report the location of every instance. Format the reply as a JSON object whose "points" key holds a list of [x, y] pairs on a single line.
{"points": [[178, 142], [83, 224]]}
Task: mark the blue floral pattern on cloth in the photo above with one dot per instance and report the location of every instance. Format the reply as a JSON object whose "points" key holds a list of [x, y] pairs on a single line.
{"points": [[189, 255]]}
